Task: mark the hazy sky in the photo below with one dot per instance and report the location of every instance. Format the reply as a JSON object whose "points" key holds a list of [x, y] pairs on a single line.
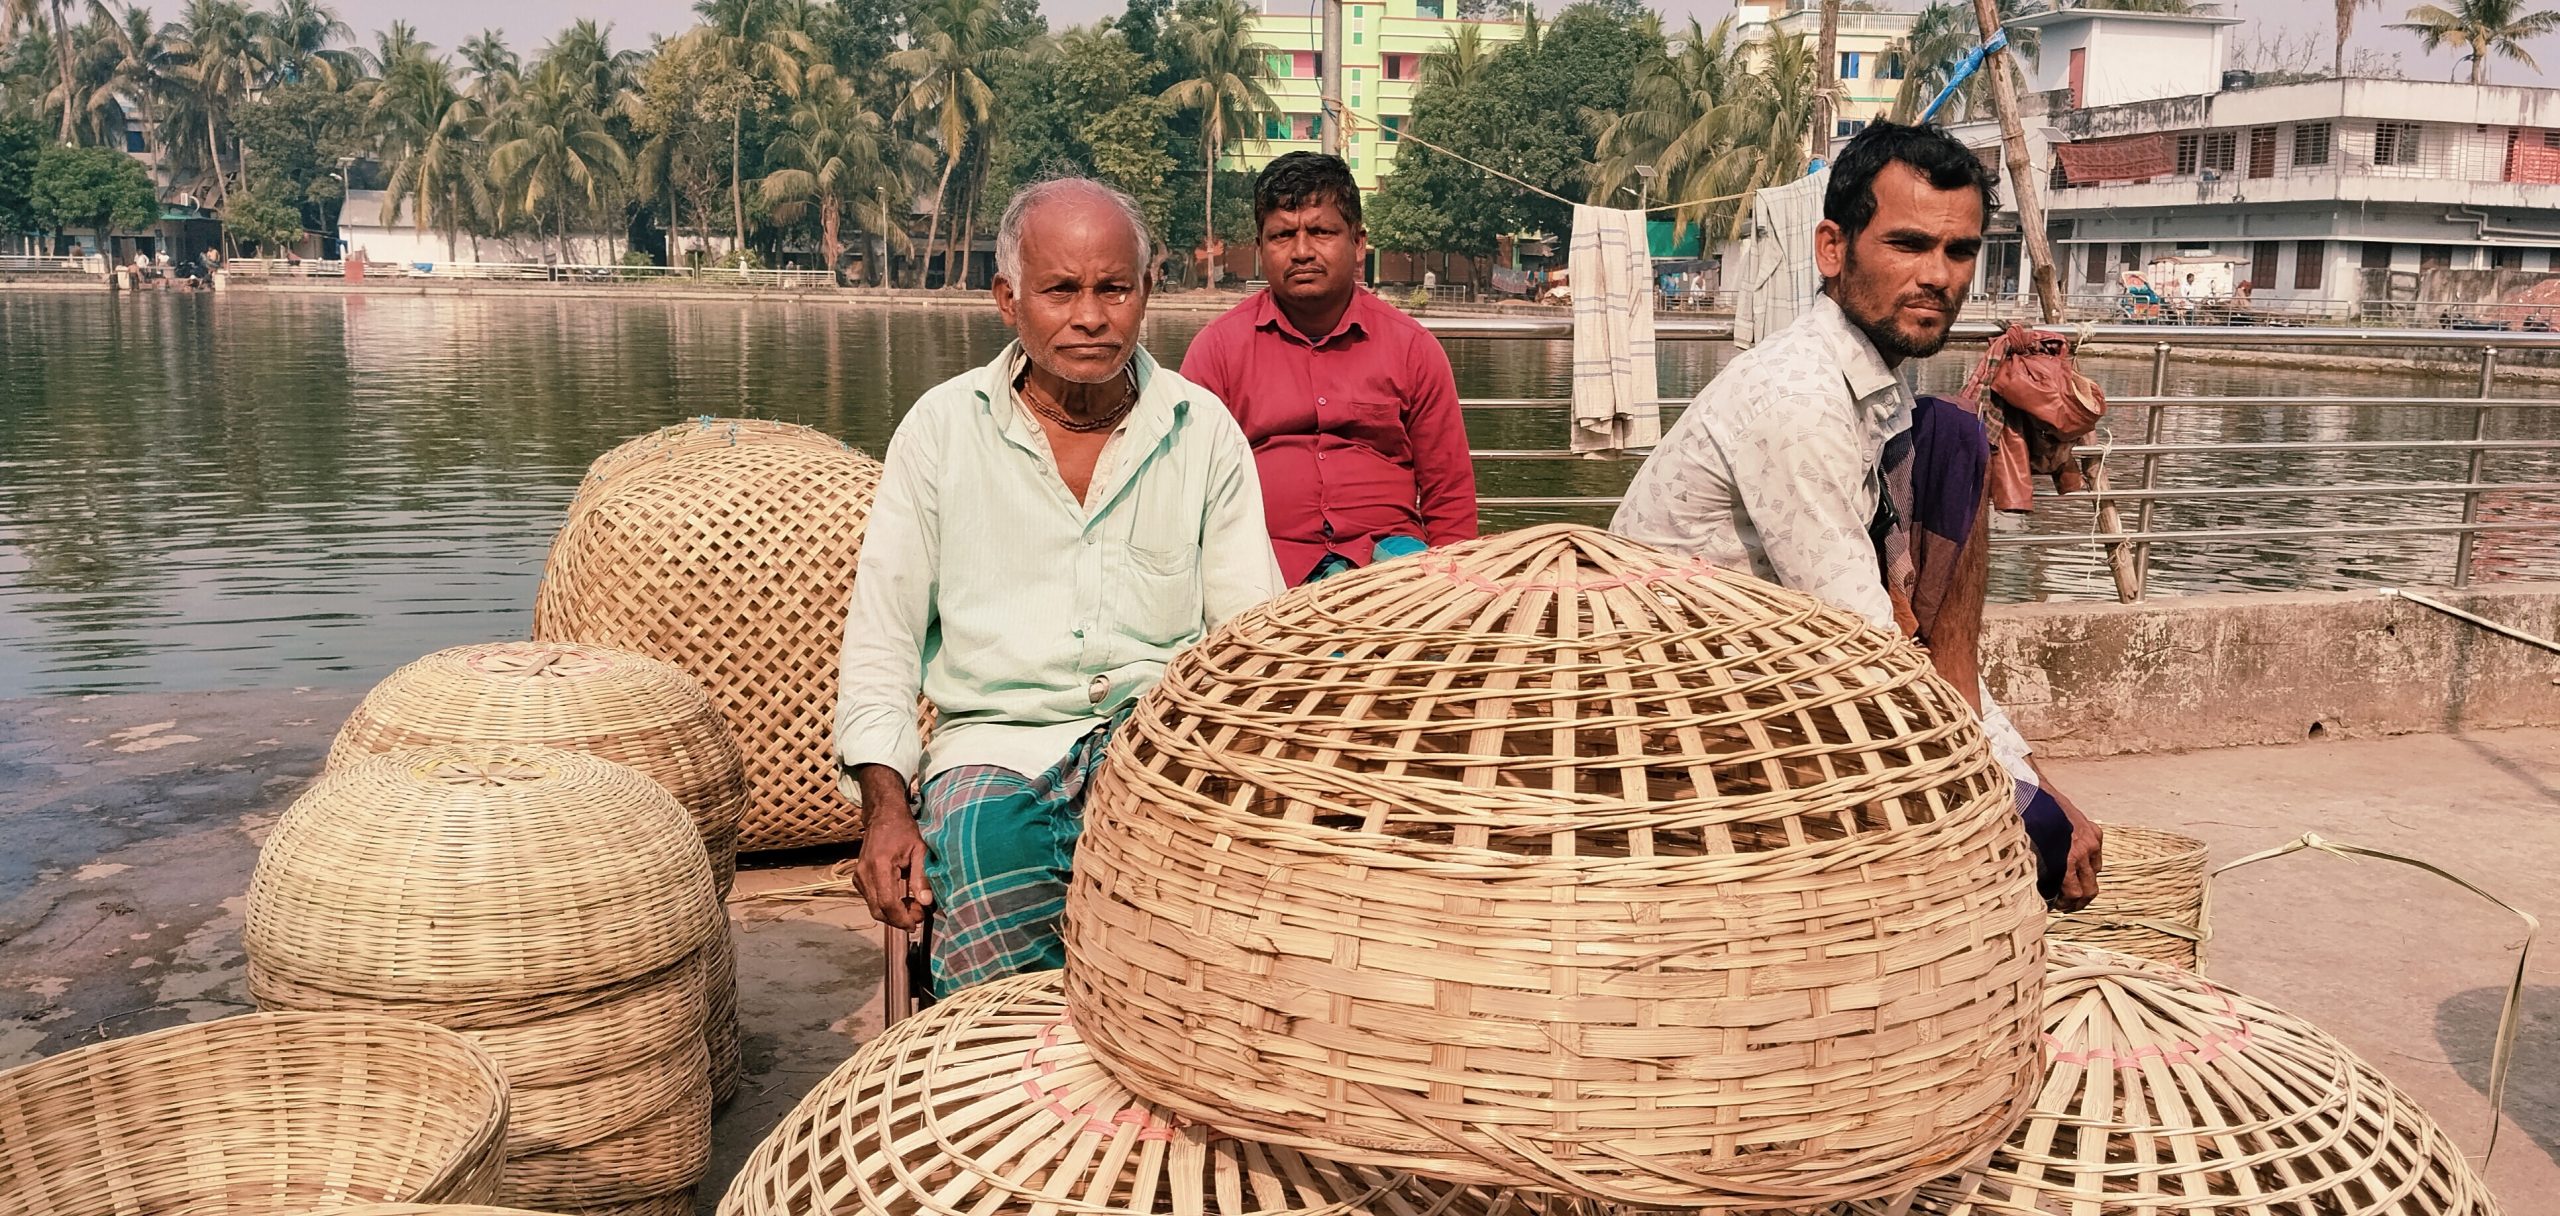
{"points": [[528, 23]]}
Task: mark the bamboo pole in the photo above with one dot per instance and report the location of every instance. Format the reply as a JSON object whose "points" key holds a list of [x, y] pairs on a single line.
{"points": [[1827, 73]]}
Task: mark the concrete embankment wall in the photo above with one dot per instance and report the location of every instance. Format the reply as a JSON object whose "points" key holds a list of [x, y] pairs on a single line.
{"points": [[2230, 670]]}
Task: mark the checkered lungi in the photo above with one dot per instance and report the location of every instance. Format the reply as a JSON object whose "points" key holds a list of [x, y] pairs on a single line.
{"points": [[999, 849]]}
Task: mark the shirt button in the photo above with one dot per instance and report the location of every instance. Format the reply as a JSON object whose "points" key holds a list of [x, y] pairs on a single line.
{"points": [[1097, 690], [1319, 401], [1079, 633], [1091, 539]]}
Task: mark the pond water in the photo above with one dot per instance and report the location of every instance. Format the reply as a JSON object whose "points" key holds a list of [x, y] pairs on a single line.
{"points": [[282, 490]]}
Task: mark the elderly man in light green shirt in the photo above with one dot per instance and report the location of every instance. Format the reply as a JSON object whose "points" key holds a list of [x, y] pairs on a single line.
{"points": [[1051, 529]]}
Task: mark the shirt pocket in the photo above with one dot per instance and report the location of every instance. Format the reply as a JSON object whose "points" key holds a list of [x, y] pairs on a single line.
{"points": [[1160, 598], [1378, 425]]}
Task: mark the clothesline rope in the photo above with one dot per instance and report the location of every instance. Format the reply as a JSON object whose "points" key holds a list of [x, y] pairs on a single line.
{"points": [[1352, 122]]}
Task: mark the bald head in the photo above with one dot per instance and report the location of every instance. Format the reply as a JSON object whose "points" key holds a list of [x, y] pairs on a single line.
{"points": [[1070, 202]]}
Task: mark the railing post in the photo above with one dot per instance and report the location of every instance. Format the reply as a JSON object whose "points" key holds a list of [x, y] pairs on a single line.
{"points": [[2150, 469], [2478, 466]]}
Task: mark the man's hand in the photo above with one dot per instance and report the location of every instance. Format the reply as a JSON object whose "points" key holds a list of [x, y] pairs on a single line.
{"points": [[891, 872], [2088, 854]]}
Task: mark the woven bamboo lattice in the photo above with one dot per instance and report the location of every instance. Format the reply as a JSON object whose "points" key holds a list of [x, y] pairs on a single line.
{"points": [[734, 563], [479, 871], [263, 1113], [2151, 902], [1550, 859], [989, 1105], [2169, 1095], [659, 1156], [614, 1026], [692, 438], [625, 707], [598, 1108]]}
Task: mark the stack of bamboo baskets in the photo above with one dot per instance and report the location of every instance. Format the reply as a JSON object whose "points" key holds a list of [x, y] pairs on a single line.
{"points": [[556, 908], [623, 707], [727, 547]]}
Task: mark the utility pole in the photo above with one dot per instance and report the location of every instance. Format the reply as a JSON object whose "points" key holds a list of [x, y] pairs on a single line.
{"points": [[1826, 53], [1334, 112], [2022, 181]]}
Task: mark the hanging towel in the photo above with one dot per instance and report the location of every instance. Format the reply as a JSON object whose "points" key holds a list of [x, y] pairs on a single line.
{"points": [[1615, 383], [1779, 280]]}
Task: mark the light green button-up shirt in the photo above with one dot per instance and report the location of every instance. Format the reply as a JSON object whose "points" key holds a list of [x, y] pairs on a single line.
{"points": [[1027, 617]]}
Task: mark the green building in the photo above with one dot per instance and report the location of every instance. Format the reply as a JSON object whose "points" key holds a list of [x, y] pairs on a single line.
{"points": [[1383, 45]]}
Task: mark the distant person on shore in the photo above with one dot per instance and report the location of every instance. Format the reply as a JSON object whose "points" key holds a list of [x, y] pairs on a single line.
{"points": [[1051, 529], [1350, 404], [1787, 465]]}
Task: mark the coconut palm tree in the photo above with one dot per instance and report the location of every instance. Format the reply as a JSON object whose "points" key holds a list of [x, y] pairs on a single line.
{"points": [[1941, 35], [494, 70], [429, 134], [116, 66], [2346, 24], [550, 155], [1772, 123], [955, 52], [298, 38], [840, 160], [1461, 62], [221, 59], [392, 44], [1223, 70], [2482, 28], [1685, 112]]}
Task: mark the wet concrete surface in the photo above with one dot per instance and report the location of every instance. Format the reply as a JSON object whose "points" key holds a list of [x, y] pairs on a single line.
{"points": [[129, 825]]}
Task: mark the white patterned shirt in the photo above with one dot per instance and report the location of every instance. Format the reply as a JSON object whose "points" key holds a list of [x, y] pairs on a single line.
{"points": [[1776, 468]]}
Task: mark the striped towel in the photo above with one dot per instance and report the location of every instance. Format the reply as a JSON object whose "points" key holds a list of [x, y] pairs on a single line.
{"points": [[1615, 383]]}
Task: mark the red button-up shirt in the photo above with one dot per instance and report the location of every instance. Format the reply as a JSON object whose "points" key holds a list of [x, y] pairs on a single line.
{"points": [[1358, 435]]}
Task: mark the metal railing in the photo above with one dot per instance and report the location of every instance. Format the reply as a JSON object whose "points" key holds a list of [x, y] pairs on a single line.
{"points": [[2128, 546], [20, 263], [584, 274]]}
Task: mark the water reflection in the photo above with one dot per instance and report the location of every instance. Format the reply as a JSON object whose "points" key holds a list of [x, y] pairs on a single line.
{"points": [[200, 492]]}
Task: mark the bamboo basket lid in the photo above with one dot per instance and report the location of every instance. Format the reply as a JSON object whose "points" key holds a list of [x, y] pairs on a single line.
{"points": [[477, 871], [1553, 860], [2168, 1094], [734, 563], [2151, 902], [988, 1104], [664, 1153], [625, 707], [266, 1112], [689, 438]]}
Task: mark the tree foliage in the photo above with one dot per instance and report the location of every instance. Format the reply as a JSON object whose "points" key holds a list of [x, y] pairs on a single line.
{"points": [[96, 188]]}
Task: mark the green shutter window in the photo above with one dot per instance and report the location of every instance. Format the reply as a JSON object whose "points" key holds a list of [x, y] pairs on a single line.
{"points": [[1355, 101], [1355, 38], [1355, 75], [1355, 162]]}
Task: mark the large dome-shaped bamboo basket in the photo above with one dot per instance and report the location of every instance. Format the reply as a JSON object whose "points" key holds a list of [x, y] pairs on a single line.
{"points": [[628, 708], [263, 1113], [734, 563], [2167, 1094], [988, 1104], [2150, 901], [663, 1155], [476, 871], [1550, 859], [700, 435]]}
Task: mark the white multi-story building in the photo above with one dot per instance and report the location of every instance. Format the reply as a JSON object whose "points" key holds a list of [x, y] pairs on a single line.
{"points": [[1867, 43], [2147, 147]]}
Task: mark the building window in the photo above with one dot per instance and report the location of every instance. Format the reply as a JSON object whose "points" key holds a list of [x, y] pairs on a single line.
{"points": [[133, 141], [1355, 162], [1306, 126], [2505, 258], [2262, 152], [2395, 143], [1275, 127], [2308, 262], [1401, 67], [1356, 39], [2310, 145], [1390, 128], [1280, 64], [2097, 264], [2262, 265], [1892, 69], [1308, 65], [2377, 255], [1355, 75], [2187, 145], [2435, 257], [1427, 8], [1848, 126], [1849, 63], [2130, 253], [2221, 150]]}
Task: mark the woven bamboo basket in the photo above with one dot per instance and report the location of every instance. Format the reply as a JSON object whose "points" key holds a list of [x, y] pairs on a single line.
{"points": [[720, 1029], [625, 707], [549, 1119], [692, 438], [2167, 1094], [616, 1025], [988, 1104], [663, 1154], [734, 563], [2151, 904], [479, 871], [1550, 859], [267, 1112]]}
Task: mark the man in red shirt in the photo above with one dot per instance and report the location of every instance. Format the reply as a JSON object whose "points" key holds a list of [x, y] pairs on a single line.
{"points": [[1348, 402]]}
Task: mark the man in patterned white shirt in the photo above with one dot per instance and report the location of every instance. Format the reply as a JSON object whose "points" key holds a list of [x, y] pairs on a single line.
{"points": [[1775, 467]]}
